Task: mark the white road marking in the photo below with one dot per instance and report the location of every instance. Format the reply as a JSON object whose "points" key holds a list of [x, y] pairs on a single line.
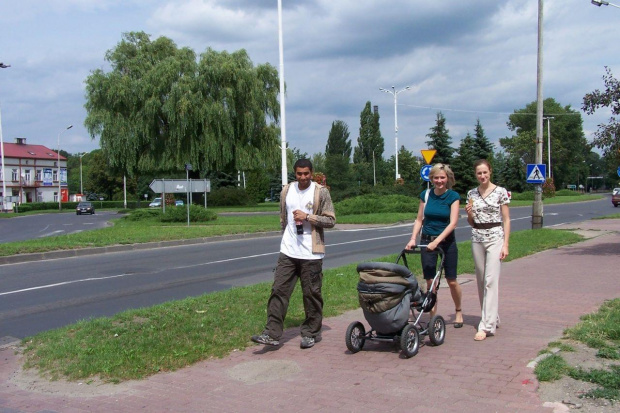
{"points": [[219, 261], [52, 233], [59, 284]]}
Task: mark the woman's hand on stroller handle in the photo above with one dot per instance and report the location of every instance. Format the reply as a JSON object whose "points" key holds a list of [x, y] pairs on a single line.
{"points": [[410, 245], [419, 248]]}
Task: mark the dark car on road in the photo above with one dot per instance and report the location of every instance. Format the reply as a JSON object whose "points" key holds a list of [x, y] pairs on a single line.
{"points": [[615, 197], [85, 208]]}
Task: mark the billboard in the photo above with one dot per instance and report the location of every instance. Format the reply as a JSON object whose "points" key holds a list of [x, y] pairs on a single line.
{"points": [[47, 177]]}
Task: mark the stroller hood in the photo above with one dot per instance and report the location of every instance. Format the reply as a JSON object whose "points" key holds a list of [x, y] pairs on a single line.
{"points": [[385, 291]]}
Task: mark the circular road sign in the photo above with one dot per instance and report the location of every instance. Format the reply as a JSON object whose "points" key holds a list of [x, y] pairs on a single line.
{"points": [[425, 171]]}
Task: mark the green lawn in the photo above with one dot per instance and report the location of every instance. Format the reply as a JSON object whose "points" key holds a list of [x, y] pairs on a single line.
{"points": [[137, 343], [126, 232]]}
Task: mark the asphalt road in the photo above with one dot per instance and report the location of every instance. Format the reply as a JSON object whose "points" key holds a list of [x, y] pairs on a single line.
{"points": [[46, 225], [37, 296]]}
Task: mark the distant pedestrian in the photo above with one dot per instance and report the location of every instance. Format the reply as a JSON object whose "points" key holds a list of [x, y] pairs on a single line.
{"points": [[488, 214], [437, 217], [306, 208]]}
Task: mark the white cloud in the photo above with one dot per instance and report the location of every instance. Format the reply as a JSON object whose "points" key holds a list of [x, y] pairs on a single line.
{"points": [[471, 59]]}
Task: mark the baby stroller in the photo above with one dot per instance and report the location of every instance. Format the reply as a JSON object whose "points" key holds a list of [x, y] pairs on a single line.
{"points": [[388, 294]]}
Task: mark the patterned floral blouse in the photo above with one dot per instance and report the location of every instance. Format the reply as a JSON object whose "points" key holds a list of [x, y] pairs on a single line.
{"points": [[488, 210]]}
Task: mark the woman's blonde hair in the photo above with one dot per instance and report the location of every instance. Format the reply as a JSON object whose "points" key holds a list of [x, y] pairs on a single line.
{"points": [[446, 168]]}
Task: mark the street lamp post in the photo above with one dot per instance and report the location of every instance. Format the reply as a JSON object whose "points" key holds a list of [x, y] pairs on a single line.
{"points": [[60, 180], [282, 103], [604, 3], [548, 119], [374, 171], [395, 93], [81, 182], [3, 66]]}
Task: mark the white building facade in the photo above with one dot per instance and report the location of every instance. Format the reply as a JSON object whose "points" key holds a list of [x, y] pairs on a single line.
{"points": [[31, 174]]}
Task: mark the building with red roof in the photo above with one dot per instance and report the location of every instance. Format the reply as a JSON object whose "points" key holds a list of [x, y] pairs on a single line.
{"points": [[31, 173]]}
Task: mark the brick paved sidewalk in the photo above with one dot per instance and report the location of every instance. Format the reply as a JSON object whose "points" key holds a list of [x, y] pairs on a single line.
{"points": [[540, 295]]}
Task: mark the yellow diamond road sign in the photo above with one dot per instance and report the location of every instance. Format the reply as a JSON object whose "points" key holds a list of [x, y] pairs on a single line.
{"points": [[428, 155]]}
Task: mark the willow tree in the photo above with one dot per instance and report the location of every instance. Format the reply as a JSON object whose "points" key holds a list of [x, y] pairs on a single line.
{"points": [[159, 107]]}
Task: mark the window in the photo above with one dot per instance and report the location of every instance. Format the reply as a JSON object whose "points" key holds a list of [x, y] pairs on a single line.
{"points": [[38, 175], [55, 175], [28, 175], [15, 175]]}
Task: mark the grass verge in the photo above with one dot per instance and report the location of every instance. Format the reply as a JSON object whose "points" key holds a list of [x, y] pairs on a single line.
{"points": [[137, 343], [601, 331], [124, 232]]}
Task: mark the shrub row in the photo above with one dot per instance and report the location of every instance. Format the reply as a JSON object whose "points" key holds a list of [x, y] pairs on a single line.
{"points": [[172, 214], [367, 204]]}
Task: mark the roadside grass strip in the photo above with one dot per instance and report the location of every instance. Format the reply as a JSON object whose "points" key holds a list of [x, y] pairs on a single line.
{"points": [[138, 343], [600, 331]]}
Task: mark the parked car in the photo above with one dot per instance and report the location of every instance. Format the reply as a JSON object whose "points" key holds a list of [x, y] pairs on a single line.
{"points": [[156, 203], [179, 202], [615, 197], [85, 208]]}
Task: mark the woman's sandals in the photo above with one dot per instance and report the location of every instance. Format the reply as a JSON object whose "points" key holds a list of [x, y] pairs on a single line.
{"points": [[459, 324], [480, 335]]}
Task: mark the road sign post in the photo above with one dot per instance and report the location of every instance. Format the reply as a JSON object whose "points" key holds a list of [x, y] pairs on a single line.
{"points": [[428, 155], [425, 172]]}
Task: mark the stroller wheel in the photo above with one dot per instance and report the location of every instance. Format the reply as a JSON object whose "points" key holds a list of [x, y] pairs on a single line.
{"points": [[410, 341], [437, 330], [355, 337]]}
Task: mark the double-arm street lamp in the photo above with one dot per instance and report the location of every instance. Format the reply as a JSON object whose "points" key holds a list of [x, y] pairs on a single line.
{"points": [[604, 3], [60, 180], [395, 93]]}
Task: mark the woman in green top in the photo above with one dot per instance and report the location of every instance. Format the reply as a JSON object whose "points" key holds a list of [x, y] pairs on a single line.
{"points": [[440, 212]]}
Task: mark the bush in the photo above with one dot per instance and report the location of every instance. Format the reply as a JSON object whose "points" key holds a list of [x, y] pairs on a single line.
{"points": [[548, 188], [24, 208], [355, 191], [566, 192], [375, 203], [229, 196], [523, 196], [144, 215], [179, 214]]}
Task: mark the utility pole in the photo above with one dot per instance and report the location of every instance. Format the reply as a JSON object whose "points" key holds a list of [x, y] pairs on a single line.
{"points": [[537, 206]]}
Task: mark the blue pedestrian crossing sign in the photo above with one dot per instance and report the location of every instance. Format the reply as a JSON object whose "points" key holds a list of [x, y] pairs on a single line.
{"points": [[425, 172], [535, 173]]}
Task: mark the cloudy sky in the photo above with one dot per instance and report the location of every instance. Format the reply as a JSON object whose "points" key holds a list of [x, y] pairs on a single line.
{"points": [[469, 58]]}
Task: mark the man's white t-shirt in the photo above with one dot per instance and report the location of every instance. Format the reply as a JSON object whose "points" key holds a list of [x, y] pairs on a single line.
{"points": [[293, 245]]}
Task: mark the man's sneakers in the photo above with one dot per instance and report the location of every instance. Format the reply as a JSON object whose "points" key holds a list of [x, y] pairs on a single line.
{"points": [[266, 340], [307, 342]]}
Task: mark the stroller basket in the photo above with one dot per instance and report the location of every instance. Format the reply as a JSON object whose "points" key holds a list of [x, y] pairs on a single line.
{"points": [[385, 293]]}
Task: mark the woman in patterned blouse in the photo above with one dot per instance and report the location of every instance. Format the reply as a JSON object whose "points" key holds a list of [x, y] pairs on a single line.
{"points": [[488, 214]]}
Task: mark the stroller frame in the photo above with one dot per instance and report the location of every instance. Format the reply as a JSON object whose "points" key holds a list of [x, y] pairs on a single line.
{"points": [[409, 337]]}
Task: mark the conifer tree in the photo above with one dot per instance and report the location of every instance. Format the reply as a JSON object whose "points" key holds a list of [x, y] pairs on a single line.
{"points": [[338, 155], [440, 140], [462, 166], [483, 148]]}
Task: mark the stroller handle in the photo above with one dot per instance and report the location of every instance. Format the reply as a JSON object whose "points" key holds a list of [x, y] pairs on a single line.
{"points": [[418, 250]]}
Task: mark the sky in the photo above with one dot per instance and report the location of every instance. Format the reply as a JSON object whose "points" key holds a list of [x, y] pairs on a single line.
{"points": [[469, 59]]}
